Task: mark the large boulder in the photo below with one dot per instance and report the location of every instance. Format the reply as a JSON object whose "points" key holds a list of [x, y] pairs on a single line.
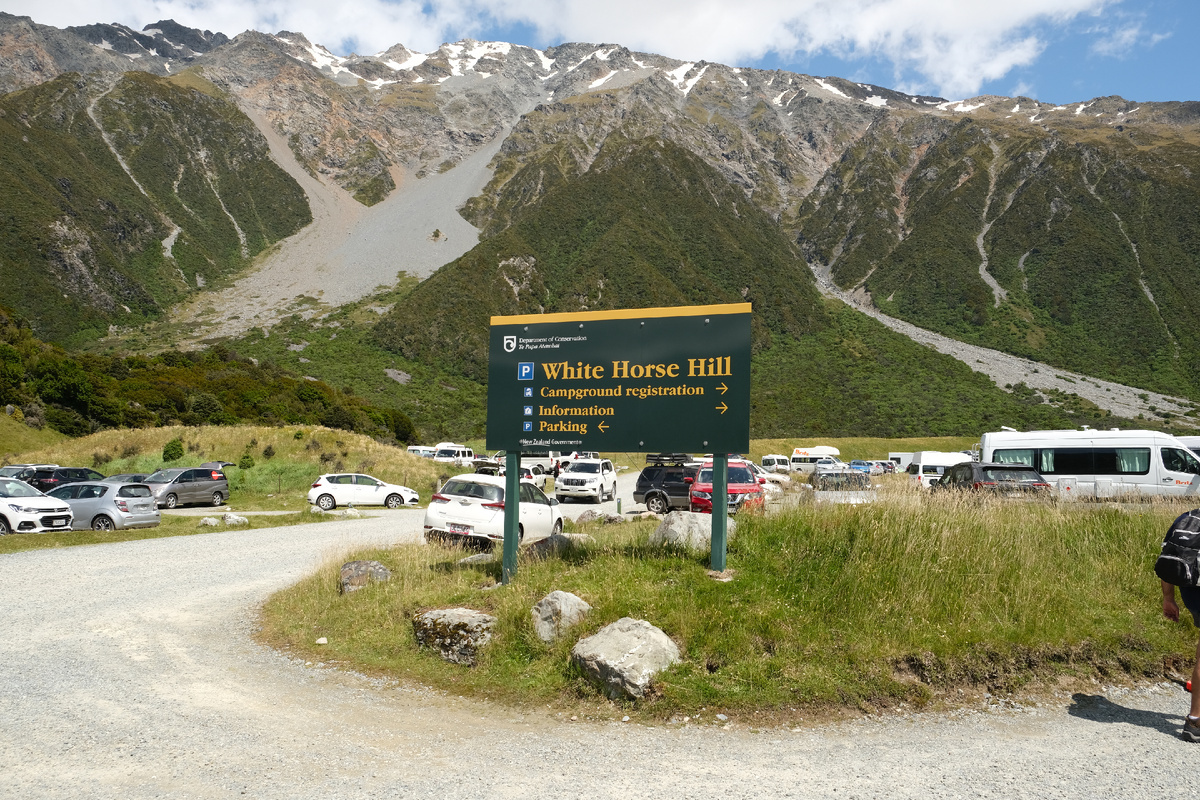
{"points": [[689, 530], [357, 574], [456, 633], [625, 656], [556, 612]]}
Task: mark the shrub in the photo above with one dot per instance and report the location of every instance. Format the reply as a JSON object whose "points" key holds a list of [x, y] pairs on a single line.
{"points": [[246, 462], [173, 450], [268, 451], [298, 435], [99, 458]]}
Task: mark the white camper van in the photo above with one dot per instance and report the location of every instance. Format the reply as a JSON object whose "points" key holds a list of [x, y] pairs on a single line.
{"points": [[804, 459], [1100, 463], [928, 466]]}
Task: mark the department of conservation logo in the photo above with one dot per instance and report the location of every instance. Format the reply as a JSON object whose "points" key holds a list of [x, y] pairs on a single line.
{"points": [[510, 344]]}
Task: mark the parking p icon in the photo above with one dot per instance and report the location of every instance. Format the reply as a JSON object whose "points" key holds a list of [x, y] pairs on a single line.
{"points": [[525, 371]]}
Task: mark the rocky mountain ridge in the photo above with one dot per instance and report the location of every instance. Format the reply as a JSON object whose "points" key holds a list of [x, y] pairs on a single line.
{"points": [[1061, 234]]}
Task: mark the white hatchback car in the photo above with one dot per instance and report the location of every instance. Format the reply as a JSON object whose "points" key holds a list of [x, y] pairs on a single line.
{"points": [[351, 488], [471, 508], [588, 477]]}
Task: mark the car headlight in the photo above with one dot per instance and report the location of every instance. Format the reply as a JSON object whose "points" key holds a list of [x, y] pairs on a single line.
{"points": [[22, 509], [702, 495]]}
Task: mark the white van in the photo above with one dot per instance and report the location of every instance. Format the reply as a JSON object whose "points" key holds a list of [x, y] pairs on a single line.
{"points": [[1100, 463], [776, 463], [450, 453], [421, 451], [928, 466], [804, 459]]}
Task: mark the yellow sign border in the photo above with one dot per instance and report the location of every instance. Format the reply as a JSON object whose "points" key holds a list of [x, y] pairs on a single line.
{"points": [[624, 313]]}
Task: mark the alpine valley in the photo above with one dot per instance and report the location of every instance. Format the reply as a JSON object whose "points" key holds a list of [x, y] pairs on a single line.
{"points": [[916, 265]]}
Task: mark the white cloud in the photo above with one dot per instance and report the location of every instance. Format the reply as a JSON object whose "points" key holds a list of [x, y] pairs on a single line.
{"points": [[1120, 41], [950, 46]]}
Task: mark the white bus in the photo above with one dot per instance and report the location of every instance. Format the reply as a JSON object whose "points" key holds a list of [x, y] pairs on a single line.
{"points": [[928, 466], [1100, 463], [804, 459]]}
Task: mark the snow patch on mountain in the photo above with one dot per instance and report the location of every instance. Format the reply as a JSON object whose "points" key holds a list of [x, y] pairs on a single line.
{"points": [[831, 88]]}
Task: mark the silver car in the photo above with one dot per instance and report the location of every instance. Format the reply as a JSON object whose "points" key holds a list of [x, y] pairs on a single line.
{"points": [[180, 485], [104, 506]]}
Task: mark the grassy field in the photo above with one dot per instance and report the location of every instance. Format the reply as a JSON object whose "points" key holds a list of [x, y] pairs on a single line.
{"points": [[17, 438], [280, 481], [831, 607]]}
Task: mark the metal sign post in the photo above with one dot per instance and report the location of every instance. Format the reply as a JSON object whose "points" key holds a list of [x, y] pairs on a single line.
{"points": [[512, 514], [630, 380], [720, 518]]}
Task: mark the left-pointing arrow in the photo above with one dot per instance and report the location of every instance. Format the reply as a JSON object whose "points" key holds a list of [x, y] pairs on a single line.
{"points": [[602, 427], [722, 408]]}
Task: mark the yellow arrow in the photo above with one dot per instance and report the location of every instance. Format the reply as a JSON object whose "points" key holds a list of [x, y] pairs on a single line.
{"points": [[723, 388], [723, 408], [602, 427]]}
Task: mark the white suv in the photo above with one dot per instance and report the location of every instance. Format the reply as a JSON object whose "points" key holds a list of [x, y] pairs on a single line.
{"points": [[451, 453], [587, 477], [23, 509]]}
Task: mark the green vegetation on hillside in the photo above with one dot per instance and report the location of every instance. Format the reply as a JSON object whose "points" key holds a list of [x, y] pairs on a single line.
{"points": [[83, 245], [78, 394], [905, 599]]}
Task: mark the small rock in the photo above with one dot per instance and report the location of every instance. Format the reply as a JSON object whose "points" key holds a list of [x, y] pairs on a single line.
{"points": [[208, 522], [322, 640], [315, 510], [557, 544], [234, 519], [357, 574], [456, 633], [478, 558], [556, 612], [624, 719], [722, 717]]}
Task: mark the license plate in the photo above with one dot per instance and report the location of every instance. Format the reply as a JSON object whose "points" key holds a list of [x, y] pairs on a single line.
{"points": [[454, 527], [58, 522]]}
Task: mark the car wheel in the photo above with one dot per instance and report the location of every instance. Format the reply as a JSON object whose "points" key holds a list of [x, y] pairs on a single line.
{"points": [[4, 529], [612, 493], [170, 501], [394, 501], [557, 529], [102, 523], [326, 502], [520, 533], [656, 504], [218, 498]]}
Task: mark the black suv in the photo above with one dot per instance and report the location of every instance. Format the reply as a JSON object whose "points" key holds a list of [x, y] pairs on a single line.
{"points": [[46, 479], [1009, 480], [661, 486]]}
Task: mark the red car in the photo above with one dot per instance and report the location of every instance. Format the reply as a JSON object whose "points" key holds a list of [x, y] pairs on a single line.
{"points": [[745, 490]]}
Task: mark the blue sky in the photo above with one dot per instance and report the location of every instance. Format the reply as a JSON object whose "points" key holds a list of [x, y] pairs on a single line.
{"points": [[1056, 51]]}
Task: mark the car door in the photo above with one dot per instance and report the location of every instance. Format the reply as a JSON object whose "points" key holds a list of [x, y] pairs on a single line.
{"points": [[368, 491], [1179, 472], [676, 487], [535, 513]]}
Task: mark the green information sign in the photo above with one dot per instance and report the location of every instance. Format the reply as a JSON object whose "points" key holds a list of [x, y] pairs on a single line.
{"points": [[637, 380]]}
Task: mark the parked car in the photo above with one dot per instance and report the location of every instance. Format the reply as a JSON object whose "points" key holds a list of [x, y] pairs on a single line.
{"points": [[182, 485], [23, 509], [352, 488], [1004, 480], [470, 508], [23, 472], [595, 478], [777, 463], [106, 506], [774, 480], [837, 479], [663, 486], [422, 451], [457, 454], [534, 476], [127, 477], [744, 489], [46, 479]]}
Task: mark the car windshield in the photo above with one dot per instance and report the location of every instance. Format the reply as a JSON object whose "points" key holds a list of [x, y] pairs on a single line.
{"points": [[480, 491], [579, 466], [736, 475], [446, 453], [11, 472], [11, 488], [164, 476]]}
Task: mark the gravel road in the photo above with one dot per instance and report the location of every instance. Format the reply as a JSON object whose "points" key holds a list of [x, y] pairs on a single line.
{"points": [[129, 672]]}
